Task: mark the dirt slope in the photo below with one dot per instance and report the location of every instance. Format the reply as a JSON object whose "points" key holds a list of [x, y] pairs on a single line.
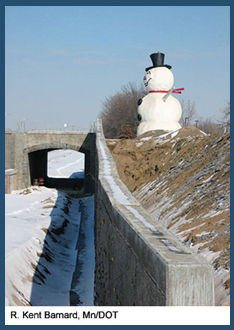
{"points": [[183, 180]]}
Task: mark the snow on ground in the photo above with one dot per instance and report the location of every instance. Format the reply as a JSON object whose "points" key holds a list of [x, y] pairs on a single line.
{"points": [[41, 242], [60, 167], [19, 208]]}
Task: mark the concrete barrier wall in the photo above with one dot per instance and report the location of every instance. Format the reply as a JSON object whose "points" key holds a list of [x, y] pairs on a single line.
{"points": [[9, 150], [10, 181], [139, 262]]}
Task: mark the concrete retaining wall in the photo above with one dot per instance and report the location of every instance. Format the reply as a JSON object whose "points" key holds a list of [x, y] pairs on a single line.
{"points": [[139, 262], [9, 150]]}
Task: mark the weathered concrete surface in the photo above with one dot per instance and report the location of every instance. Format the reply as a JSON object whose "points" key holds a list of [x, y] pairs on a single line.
{"points": [[138, 262], [9, 150], [20, 148], [10, 180]]}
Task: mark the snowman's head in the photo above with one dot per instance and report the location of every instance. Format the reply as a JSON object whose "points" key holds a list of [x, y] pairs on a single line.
{"points": [[159, 79]]}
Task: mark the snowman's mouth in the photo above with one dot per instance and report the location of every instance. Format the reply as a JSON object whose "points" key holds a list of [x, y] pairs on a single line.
{"points": [[147, 82]]}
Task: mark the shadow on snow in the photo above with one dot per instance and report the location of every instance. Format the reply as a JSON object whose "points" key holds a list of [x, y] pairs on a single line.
{"points": [[61, 275]]}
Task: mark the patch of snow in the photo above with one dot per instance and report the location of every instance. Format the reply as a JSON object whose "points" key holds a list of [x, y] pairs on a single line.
{"points": [[63, 163], [213, 213], [208, 179], [160, 141], [119, 196], [146, 138], [139, 144], [24, 214], [203, 133], [174, 134], [184, 233], [142, 219], [170, 246], [164, 135], [209, 255]]}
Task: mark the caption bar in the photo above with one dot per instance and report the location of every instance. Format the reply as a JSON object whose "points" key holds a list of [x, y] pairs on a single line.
{"points": [[117, 315]]}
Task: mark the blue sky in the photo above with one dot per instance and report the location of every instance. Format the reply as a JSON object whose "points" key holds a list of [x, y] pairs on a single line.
{"points": [[62, 62]]}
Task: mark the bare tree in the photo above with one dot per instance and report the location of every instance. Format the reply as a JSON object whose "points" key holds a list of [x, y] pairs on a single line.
{"points": [[209, 126], [225, 120], [121, 109], [214, 126], [126, 132], [188, 113]]}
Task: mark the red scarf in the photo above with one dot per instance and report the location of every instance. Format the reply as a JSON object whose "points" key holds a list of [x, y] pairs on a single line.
{"points": [[177, 91]]}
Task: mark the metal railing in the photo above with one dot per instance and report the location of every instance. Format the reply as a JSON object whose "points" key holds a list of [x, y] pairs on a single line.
{"points": [[68, 128]]}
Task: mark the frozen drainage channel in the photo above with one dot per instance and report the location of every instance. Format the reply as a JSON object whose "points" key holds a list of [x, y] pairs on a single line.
{"points": [[82, 286], [53, 261], [65, 272]]}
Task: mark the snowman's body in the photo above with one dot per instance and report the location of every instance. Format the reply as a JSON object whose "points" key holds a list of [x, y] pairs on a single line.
{"points": [[159, 110]]}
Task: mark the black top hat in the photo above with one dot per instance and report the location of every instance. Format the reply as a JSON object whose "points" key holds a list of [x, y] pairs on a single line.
{"points": [[158, 60]]}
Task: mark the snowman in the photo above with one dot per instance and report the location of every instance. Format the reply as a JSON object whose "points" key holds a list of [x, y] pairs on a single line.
{"points": [[159, 110]]}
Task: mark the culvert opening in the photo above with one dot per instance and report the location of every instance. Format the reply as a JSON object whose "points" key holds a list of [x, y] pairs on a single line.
{"points": [[43, 172], [64, 175]]}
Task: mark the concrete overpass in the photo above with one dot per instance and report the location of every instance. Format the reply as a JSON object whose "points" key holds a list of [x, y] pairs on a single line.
{"points": [[27, 154]]}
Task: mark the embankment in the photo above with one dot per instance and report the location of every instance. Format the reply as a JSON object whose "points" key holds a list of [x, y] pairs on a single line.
{"points": [[183, 180], [138, 261]]}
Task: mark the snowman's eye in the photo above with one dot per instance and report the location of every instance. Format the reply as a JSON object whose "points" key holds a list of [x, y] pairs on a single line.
{"points": [[139, 102]]}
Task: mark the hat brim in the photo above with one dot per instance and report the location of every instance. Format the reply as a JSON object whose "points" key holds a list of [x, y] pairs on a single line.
{"points": [[158, 66]]}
